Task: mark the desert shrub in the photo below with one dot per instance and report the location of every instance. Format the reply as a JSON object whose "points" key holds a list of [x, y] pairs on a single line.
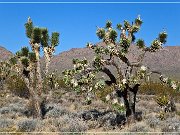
{"points": [[61, 83], [171, 125], [153, 88], [156, 88], [102, 93], [152, 121], [93, 124], [6, 123], [13, 108], [26, 125], [17, 86], [140, 127], [55, 111], [69, 123], [46, 125], [4, 110], [17, 107]]}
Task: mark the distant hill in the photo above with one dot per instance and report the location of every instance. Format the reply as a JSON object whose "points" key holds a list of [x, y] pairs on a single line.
{"points": [[4, 54], [166, 60]]}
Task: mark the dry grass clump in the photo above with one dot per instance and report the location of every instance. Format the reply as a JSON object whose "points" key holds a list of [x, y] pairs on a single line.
{"points": [[6, 123], [26, 125], [55, 111], [69, 123], [14, 110], [140, 127], [65, 123], [152, 120], [171, 125]]}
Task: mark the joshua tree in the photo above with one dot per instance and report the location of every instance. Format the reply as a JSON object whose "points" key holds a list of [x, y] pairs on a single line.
{"points": [[84, 76], [29, 62], [39, 37]]}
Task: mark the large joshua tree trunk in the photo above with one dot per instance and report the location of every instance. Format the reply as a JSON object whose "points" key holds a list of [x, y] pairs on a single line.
{"points": [[38, 69], [129, 95], [130, 102], [36, 101]]}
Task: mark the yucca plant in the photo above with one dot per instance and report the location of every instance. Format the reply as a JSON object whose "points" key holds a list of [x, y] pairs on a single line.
{"points": [[84, 76], [29, 61]]}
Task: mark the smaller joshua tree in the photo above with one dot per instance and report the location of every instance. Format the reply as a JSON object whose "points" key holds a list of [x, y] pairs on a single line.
{"points": [[39, 38], [28, 63], [84, 76]]}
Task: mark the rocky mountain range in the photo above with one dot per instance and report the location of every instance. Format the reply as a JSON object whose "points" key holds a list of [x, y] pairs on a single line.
{"points": [[4, 54], [166, 60]]}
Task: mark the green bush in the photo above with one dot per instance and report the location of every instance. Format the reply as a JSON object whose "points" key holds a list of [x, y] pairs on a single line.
{"points": [[156, 88], [17, 86]]}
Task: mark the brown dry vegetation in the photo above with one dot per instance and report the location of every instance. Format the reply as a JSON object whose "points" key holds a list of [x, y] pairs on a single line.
{"points": [[68, 112]]}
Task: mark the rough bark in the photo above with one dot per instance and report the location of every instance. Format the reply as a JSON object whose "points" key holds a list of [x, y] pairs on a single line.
{"points": [[110, 75], [33, 96], [47, 59], [38, 69]]}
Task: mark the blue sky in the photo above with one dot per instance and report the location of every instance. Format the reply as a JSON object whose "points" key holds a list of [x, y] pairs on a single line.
{"points": [[77, 22]]}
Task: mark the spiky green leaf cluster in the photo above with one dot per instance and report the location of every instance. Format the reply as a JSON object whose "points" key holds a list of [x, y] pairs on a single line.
{"points": [[135, 28], [108, 24], [25, 56], [13, 60], [45, 37], [125, 44], [119, 26], [138, 21], [25, 61], [162, 101], [100, 33], [32, 56], [113, 35], [24, 51], [40, 35], [54, 39], [29, 28], [97, 63], [140, 43], [162, 37], [127, 24], [155, 45], [36, 35]]}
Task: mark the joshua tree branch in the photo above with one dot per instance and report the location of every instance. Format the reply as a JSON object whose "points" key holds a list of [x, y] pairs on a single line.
{"points": [[111, 76], [113, 63]]}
